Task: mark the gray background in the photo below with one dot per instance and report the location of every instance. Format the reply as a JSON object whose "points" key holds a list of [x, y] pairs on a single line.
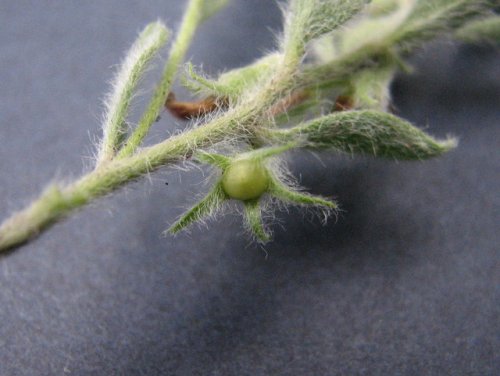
{"points": [[405, 283]]}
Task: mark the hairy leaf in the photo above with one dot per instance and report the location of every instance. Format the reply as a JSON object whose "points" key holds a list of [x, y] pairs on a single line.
{"points": [[206, 207], [253, 216], [483, 30], [289, 195], [368, 132]]}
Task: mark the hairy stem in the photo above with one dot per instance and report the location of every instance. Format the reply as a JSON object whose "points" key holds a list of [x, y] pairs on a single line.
{"points": [[284, 84], [57, 201], [152, 38], [47, 209], [192, 19]]}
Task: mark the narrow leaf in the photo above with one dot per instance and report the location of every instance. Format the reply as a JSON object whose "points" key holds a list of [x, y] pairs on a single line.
{"points": [[150, 40], [374, 41], [369, 132], [198, 84], [483, 30], [193, 17], [432, 17], [306, 20], [370, 88]]}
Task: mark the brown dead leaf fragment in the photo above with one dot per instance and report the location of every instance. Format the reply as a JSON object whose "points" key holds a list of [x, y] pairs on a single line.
{"points": [[292, 100], [343, 103], [189, 110]]}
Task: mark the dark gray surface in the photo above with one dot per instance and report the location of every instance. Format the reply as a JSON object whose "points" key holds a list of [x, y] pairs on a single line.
{"points": [[405, 283]]}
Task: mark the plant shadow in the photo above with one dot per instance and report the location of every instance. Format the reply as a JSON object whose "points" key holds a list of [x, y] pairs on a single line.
{"points": [[240, 308]]}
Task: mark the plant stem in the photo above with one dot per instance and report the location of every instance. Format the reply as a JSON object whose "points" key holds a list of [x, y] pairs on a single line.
{"points": [[57, 201], [192, 18], [142, 51], [256, 108]]}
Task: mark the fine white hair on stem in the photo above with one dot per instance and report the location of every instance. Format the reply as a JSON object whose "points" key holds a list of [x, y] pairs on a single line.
{"points": [[117, 103], [259, 94]]}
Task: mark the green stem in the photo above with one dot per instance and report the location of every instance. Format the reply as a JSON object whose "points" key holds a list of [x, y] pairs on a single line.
{"points": [[248, 118], [151, 39], [192, 18], [56, 202], [49, 208]]}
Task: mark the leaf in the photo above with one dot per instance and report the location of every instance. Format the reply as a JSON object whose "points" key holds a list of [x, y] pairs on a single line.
{"points": [[231, 84], [432, 17], [309, 19], [368, 132], [370, 88], [147, 45], [483, 30]]}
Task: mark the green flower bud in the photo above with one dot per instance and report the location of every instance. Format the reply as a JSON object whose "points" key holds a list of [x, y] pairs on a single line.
{"points": [[245, 179]]}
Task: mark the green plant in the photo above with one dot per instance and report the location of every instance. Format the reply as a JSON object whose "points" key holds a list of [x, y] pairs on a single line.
{"points": [[325, 87]]}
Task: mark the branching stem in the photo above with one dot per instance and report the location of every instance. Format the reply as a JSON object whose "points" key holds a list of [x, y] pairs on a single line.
{"points": [[58, 201], [192, 18], [287, 81]]}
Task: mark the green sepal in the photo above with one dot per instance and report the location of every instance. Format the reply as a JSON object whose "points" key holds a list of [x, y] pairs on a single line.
{"points": [[289, 195], [266, 152], [253, 216], [206, 207], [214, 159]]}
